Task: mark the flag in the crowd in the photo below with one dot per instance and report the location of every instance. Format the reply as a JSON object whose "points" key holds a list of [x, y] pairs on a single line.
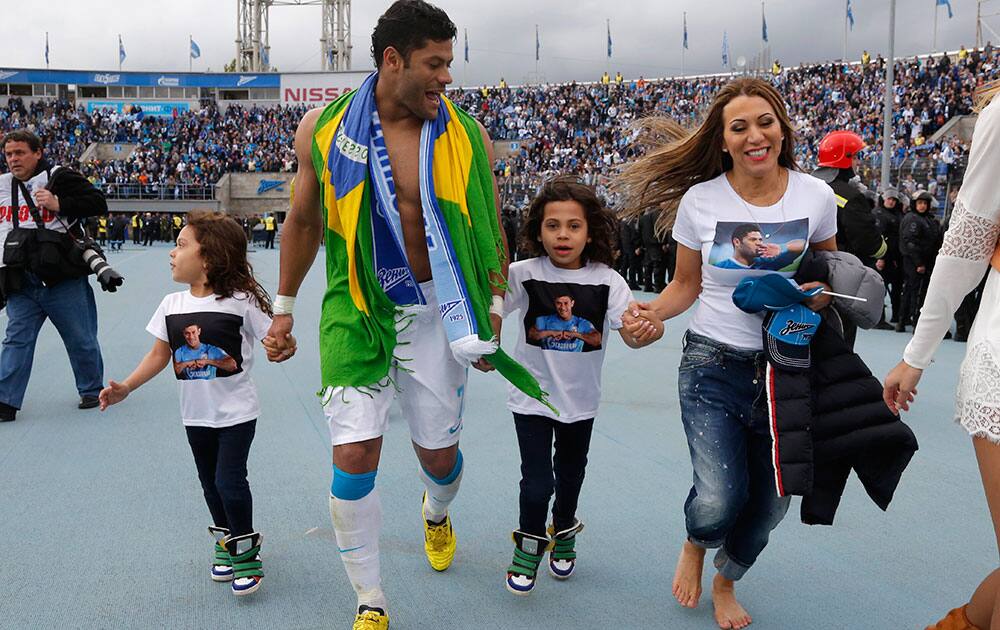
{"points": [[466, 45], [763, 23], [685, 30], [195, 50], [850, 14], [46, 48], [538, 44], [121, 49], [725, 49], [609, 39], [946, 3]]}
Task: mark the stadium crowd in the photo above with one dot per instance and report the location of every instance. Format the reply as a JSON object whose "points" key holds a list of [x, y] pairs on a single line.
{"points": [[180, 156], [584, 128], [578, 127]]}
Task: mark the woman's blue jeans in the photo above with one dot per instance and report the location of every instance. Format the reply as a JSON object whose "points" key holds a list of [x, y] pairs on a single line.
{"points": [[733, 504]]}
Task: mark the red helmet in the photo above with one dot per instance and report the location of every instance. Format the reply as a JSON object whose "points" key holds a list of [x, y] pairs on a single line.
{"points": [[838, 147]]}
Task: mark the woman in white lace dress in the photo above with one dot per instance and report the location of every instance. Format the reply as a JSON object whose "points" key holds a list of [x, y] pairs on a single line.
{"points": [[969, 244]]}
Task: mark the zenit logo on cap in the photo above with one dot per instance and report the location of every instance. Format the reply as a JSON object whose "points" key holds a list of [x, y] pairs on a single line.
{"points": [[787, 334]]}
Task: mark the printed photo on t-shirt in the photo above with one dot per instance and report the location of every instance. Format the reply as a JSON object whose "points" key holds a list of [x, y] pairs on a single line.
{"points": [[767, 246], [205, 345], [565, 317]]}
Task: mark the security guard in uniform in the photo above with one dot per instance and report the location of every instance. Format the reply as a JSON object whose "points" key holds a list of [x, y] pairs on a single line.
{"points": [[178, 224], [919, 241], [857, 230], [102, 230], [136, 228], [271, 228]]}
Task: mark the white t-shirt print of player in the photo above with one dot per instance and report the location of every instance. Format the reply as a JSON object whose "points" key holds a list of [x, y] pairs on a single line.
{"points": [[564, 331], [199, 361], [752, 251]]}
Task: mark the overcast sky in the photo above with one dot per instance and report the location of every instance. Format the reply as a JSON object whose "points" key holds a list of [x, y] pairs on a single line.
{"points": [[647, 34]]}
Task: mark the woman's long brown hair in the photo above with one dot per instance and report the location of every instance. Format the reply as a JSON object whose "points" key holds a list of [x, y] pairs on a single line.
{"points": [[223, 247], [676, 159]]}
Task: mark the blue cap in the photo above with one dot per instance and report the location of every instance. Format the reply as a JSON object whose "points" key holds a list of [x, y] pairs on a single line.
{"points": [[787, 334], [770, 292]]}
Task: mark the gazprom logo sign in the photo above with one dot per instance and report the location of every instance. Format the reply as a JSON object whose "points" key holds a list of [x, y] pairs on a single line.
{"points": [[266, 185], [168, 81]]}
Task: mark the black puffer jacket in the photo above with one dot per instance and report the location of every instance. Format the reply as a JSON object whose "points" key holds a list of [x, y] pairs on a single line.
{"points": [[852, 429], [830, 420]]}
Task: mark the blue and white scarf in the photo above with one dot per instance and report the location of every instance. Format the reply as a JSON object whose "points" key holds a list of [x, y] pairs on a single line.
{"points": [[391, 265]]}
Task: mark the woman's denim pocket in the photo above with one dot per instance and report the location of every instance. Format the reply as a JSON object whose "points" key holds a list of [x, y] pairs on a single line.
{"points": [[697, 355]]}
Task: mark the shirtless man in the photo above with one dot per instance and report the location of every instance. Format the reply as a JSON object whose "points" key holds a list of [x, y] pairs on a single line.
{"points": [[412, 47]]}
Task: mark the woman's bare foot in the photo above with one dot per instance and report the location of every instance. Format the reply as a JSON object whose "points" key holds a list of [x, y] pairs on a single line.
{"points": [[728, 612], [687, 576]]}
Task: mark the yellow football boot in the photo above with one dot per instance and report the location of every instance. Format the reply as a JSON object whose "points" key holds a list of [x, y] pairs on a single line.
{"points": [[439, 541], [370, 619]]}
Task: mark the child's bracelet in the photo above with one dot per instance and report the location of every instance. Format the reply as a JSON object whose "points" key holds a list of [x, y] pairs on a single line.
{"points": [[496, 307], [283, 304]]}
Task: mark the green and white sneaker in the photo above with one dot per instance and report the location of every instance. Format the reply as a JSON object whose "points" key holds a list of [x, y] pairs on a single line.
{"points": [[247, 567], [562, 559], [528, 552], [222, 564]]}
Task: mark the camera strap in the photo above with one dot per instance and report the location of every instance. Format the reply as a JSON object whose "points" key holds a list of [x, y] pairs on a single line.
{"points": [[32, 208], [15, 183]]}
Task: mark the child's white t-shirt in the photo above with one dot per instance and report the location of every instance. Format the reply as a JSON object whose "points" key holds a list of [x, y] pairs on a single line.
{"points": [[711, 214], [555, 306], [201, 329]]}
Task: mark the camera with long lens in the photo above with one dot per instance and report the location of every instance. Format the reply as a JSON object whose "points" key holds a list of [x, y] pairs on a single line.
{"points": [[93, 257]]}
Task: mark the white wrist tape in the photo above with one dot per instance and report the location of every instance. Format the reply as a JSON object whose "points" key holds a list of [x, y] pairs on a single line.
{"points": [[283, 304], [496, 307]]}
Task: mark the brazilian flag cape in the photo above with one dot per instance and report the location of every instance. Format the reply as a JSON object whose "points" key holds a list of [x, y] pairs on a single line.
{"points": [[358, 323]]}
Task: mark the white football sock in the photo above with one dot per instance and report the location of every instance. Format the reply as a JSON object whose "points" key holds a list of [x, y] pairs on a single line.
{"points": [[357, 525], [440, 496]]}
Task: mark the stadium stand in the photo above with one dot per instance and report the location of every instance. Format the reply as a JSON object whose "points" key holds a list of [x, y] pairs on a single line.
{"points": [[578, 127]]}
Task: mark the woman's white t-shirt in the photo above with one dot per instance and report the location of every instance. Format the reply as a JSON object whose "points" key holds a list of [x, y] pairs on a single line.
{"points": [[714, 220], [211, 343], [565, 317]]}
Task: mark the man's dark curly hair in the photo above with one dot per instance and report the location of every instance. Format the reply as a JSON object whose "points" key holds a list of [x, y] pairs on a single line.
{"points": [[601, 222], [407, 25]]}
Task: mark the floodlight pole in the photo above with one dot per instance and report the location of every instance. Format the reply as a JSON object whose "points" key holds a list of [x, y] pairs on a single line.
{"points": [[844, 56], [887, 135]]}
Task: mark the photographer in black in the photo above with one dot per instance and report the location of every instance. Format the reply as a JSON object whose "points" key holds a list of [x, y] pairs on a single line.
{"points": [[59, 197]]}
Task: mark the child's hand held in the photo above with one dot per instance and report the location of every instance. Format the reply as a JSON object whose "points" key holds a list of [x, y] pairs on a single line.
{"points": [[114, 393], [278, 351]]}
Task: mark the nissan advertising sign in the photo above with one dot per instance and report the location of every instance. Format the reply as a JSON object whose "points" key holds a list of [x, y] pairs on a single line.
{"points": [[318, 88]]}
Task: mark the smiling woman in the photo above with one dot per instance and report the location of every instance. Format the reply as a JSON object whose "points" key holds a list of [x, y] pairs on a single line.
{"points": [[738, 206]]}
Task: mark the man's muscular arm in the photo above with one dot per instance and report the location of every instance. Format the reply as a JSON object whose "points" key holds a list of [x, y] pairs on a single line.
{"points": [[301, 235], [180, 366], [226, 363], [592, 338]]}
